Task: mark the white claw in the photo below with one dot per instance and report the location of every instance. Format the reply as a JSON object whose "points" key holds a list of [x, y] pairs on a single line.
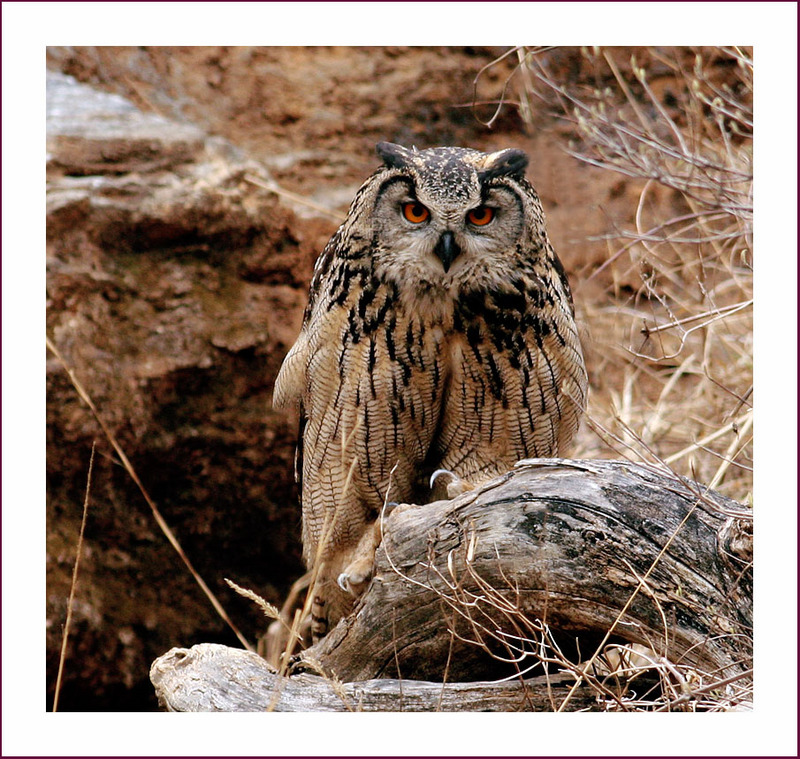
{"points": [[438, 474], [343, 581]]}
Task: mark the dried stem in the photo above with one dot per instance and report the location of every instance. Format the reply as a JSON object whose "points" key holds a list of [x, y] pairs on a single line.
{"points": [[74, 584]]}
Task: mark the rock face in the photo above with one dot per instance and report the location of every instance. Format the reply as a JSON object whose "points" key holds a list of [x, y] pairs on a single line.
{"points": [[91, 132], [174, 289]]}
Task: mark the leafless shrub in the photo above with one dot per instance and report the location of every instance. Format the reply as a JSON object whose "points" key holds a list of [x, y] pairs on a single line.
{"points": [[669, 346]]}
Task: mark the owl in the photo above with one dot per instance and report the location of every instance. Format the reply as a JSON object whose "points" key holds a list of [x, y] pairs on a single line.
{"points": [[439, 337]]}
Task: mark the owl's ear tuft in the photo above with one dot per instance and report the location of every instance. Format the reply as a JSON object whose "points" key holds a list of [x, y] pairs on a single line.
{"points": [[394, 156], [504, 163]]}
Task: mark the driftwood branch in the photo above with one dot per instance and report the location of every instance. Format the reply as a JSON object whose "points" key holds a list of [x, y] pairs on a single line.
{"points": [[548, 563], [214, 678]]}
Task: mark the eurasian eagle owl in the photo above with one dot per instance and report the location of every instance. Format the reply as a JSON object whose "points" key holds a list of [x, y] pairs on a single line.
{"points": [[439, 335]]}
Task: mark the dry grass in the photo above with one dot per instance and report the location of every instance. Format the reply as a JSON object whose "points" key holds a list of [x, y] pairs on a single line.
{"points": [[669, 339]]}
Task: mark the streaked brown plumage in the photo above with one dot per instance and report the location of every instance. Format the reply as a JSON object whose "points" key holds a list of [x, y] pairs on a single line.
{"points": [[439, 333]]}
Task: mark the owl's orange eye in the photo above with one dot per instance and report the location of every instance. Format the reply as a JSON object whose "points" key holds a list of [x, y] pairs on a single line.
{"points": [[480, 216], [415, 212]]}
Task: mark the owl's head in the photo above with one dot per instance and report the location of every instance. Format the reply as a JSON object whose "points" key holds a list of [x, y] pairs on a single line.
{"points": [[450, 217]]}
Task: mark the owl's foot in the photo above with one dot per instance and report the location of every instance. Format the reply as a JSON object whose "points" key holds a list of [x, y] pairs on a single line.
{"points": [[358, 572], [455, 487], [356, 576]]}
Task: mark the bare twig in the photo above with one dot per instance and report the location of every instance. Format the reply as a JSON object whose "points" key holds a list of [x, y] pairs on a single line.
{"points": [[74, 584]]}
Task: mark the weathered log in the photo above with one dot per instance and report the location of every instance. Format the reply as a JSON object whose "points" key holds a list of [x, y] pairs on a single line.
{"points": [[213, 678], [564, 542], [554, 552]]}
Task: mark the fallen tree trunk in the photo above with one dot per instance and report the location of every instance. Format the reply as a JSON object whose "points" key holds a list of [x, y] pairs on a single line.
{"points": [[553, 555], [213, 678]]}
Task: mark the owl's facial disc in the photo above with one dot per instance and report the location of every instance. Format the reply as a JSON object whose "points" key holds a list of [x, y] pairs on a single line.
{"points": [[439, 227]]}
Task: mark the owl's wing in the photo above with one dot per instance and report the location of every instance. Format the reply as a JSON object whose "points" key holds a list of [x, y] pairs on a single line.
{"points": [[290, 384], [292, 381]]}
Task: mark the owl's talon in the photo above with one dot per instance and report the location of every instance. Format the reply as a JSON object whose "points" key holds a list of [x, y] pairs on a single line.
{"points": [[455, 487], [438, 473], [296, 665], [389, 507], [354, 583], [357, 574]]}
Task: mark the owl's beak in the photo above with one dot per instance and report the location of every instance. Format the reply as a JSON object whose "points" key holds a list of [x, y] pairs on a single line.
{"points": [[447, 250]]}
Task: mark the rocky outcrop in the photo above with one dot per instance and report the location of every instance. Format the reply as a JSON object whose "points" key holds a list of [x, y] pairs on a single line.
{"points": [[174, 287]]}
